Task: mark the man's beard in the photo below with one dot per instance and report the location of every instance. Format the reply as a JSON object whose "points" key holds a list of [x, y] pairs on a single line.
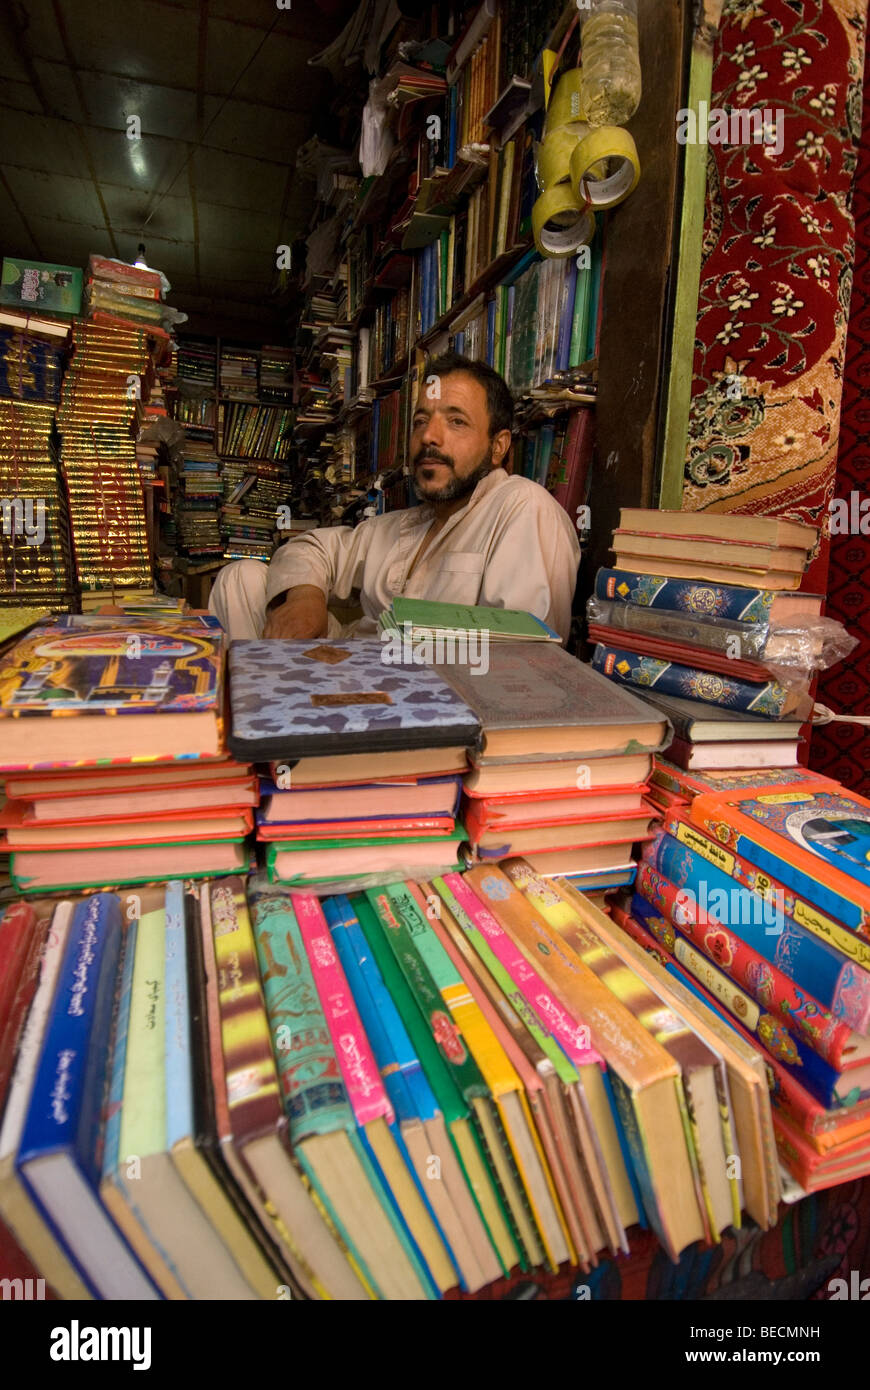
{"points": [[457, 487]]}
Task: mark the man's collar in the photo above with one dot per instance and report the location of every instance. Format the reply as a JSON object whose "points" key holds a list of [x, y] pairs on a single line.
{"points": [[493, 479]]}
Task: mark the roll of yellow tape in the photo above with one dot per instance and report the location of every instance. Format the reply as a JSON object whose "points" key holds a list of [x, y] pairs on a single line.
{"points": [[554, 153], [612, 143], [559, 223], [564, 104]]}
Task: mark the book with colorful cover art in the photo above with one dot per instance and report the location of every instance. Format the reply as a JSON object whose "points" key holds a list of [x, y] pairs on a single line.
{"points": [[830, 1086], [816, 842], [854, 949], [389, 1173], [769, 698], [161, 680], [764, 924], [689, 784], [704, 599], [773, 989]]}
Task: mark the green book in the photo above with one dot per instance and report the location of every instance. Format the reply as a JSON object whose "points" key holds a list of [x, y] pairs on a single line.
{"points": [[477, 1037], [338, 861], [323, 1129], [595, 291], [455, 1109], [580, 319], [428, 616], [41, 286], [393, 921]]}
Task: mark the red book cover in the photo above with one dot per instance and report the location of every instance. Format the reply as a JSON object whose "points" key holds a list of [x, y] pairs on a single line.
{"points": [[683, 652], [773, 991]]}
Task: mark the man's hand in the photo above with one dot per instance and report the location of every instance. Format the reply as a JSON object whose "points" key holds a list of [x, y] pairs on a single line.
{"points": [[301, 614]]}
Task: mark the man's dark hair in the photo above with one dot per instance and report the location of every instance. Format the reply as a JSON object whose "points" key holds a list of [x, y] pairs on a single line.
{"points": [[499, 401]]}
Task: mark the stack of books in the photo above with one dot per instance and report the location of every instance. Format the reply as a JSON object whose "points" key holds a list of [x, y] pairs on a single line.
{"points": [[238, 373], [561, 775], [254, 512], [708, 651], [111, 742], [108, 374], [390, 1095], [197, 363], [123, 294], [198, 500], [759, 898], [36, 562], [363, 760]]}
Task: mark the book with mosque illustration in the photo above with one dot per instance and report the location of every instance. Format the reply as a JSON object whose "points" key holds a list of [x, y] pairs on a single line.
{"points": [[816, 842], [164, 675]]}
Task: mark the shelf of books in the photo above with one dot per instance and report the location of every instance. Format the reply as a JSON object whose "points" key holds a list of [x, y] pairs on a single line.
{"points": [[435, 252]]}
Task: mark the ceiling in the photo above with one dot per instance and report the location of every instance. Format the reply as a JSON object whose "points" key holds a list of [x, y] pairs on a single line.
{"points": [[224, 95]]}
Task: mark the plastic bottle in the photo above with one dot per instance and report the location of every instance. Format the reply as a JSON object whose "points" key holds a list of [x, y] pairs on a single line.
{"points": [[611, 86]]}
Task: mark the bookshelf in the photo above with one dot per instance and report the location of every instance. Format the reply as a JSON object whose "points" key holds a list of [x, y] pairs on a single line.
{"points": [[394, 234], [435, 253], [235, 402]]}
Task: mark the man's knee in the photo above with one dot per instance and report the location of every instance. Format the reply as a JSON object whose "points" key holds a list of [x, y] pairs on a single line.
{"points": [[238, 598]]}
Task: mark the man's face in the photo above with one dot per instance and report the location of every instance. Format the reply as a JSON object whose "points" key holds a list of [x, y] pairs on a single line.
{"points": [[450, 445]]}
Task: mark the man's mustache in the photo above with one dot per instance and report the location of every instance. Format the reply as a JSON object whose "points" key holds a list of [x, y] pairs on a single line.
{"points": [[432, 456]]}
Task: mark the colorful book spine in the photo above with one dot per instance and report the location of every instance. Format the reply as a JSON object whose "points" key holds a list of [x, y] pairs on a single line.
{"points": [[404, 1078], [397, 1064], [66, 1106], [528, 993], [769, 698], [766, 829], [807, 916], [774, 992], [365, 1089], [763, 926], [699, 597], [829, 1086]]}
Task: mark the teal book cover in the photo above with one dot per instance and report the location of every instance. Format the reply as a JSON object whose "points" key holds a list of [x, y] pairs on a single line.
{"points": [[315, 1098]]}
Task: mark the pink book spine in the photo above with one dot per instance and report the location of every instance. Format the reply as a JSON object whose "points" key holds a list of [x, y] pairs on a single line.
{"points": [[362, 1079], [571, 1035]]}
